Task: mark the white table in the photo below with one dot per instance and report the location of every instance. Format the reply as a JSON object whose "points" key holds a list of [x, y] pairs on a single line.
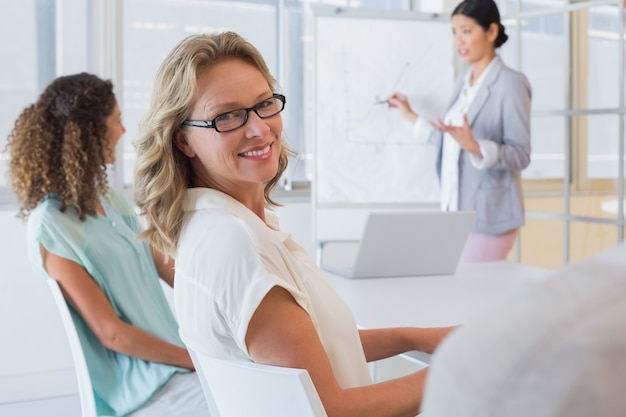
{"points": [[430, 301]]}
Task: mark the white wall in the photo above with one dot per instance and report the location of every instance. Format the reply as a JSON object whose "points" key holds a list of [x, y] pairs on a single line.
{"points": [[296, 219], [35, 361], [13, 250]]}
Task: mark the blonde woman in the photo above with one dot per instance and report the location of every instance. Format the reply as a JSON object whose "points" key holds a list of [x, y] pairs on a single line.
{"points": [[209, 154]]}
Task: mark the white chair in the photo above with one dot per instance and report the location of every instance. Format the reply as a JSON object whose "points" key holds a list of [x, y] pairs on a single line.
{"points": [[85, 390], [242, 389]]}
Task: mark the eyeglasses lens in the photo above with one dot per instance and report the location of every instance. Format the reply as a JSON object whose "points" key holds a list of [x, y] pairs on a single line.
{"points": [[237, 118]]}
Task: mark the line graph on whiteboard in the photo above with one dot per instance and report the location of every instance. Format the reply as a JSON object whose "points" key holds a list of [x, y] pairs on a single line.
{"points": [[368, 118], [365, 151]]}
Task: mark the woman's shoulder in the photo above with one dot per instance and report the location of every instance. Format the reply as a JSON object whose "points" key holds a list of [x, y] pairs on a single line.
{"points": [[215, 244], [48, 223], [218, 216], [513, 76], [49, 211], [218, 227]]}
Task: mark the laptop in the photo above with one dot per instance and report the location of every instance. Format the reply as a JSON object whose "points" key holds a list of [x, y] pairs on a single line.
{"points": [[404, 243]]}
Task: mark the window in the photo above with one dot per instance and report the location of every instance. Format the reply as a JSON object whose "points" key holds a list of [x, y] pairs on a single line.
{"points": [[149, 37], [573, 56], [41, 43]]}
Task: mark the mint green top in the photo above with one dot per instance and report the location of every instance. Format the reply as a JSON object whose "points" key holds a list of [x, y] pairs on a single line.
{"points": [[122, 266]]}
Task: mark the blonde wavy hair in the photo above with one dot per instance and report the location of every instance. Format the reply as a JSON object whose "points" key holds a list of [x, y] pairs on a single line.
{"points": [[55, 146], [162, 171]]}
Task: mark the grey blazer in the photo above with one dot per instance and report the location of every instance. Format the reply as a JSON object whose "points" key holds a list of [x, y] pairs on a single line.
{"points": [[500, 112]]}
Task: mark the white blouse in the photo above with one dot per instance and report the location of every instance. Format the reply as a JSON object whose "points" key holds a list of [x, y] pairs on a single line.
{"points": [[227, 261]]}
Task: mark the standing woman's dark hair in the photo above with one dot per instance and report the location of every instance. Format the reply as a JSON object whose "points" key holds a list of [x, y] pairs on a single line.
{"points": [[56, 145], [485, 13]]}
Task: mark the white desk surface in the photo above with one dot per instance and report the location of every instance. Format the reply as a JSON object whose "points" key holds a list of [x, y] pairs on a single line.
{"points": [[430, 301]]}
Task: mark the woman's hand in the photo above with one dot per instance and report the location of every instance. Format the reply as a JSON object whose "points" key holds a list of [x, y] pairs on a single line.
{"points": [[463, 135], [400, 102]]}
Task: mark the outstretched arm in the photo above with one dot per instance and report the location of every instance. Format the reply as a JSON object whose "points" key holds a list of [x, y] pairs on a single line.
{"points": [[281, 333], [385, 343], [85, 296]]}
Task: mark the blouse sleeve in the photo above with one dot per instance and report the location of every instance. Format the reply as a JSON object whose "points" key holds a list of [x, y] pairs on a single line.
{"points": [[489, 152], [62, 234], [514, 151], [423, 132]]}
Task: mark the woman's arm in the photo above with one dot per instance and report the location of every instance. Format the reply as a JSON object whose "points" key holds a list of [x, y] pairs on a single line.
{"points": [[385, 343], [423, 132], [281, 333], [85, 296], [506, 142], [515, 151]]}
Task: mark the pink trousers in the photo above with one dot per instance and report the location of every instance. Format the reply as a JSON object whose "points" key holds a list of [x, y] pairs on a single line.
{"points": [[488, 248]]}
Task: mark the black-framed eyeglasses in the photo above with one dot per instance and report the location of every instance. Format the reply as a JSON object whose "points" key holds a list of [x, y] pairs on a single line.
{"points": [[234, 119]]}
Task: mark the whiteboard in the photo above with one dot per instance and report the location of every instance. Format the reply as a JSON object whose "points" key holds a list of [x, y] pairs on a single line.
{"points": [[364, 152]]}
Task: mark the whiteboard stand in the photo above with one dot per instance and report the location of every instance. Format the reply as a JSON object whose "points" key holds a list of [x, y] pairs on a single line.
{"points": [[365, 157]]}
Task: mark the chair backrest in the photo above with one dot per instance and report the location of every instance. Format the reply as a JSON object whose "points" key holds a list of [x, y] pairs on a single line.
{"points": [[241, 389], [85, 390]]}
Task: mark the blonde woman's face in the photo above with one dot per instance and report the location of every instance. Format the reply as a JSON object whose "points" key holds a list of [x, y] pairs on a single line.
{"points": [[115, 130], [238, 162]]}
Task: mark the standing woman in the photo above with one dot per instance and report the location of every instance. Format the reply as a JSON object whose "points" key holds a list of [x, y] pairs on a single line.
{"points": [[83, 234], [484, 136]]}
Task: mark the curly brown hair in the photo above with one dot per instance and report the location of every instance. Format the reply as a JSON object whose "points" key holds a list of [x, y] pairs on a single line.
{"points": [[56, 145]]}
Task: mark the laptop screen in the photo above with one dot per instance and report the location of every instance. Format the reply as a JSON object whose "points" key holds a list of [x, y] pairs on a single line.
{"points": [[408, 243]]}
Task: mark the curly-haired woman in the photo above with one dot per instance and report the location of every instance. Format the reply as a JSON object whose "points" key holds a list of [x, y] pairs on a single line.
{"points": [[83, 234]]}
